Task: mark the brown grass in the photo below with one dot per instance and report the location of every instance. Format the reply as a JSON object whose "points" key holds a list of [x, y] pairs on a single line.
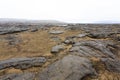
{"points": [[33, 44]]}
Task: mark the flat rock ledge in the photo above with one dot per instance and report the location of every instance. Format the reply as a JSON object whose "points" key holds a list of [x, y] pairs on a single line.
{"points": [[22, 63]]}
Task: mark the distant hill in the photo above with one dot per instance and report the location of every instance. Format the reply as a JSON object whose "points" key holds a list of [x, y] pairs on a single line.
{"points": [[11, 20]]}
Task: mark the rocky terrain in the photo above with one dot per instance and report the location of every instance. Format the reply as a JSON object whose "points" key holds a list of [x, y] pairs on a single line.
{"points": [[59, 52]]}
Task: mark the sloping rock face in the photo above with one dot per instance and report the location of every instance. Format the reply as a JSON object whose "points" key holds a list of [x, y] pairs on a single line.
{"points": [[69, 68], [73, 52], [95, 48]]}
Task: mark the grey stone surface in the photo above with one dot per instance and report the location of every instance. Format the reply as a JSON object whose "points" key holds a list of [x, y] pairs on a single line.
{"points": [[13, 29], [19, 76], [112, 65], [69, 68], [22, 63]]}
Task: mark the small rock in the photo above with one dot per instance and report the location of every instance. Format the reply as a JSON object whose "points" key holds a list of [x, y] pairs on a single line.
{"points": [[56, 32], [57, 48], [69, 42]]}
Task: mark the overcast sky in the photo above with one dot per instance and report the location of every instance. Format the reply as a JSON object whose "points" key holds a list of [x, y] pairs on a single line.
{"points": [[63, 10]]}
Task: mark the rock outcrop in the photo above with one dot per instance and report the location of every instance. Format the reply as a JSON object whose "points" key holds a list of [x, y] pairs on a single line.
{"points": [[69, 68]]}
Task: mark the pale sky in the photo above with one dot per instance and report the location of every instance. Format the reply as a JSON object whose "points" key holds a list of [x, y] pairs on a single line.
{"points": [[63, 10]]}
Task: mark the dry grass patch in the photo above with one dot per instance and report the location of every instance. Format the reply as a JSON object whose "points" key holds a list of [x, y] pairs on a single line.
{"points": [[33, 44]]}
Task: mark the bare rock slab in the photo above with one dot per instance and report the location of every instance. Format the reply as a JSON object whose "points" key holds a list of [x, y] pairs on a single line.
{"points": [[69, 68], [22, 63]]}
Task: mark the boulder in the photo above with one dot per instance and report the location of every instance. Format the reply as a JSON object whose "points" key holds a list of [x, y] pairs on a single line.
{"points": [[69, 68]]}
